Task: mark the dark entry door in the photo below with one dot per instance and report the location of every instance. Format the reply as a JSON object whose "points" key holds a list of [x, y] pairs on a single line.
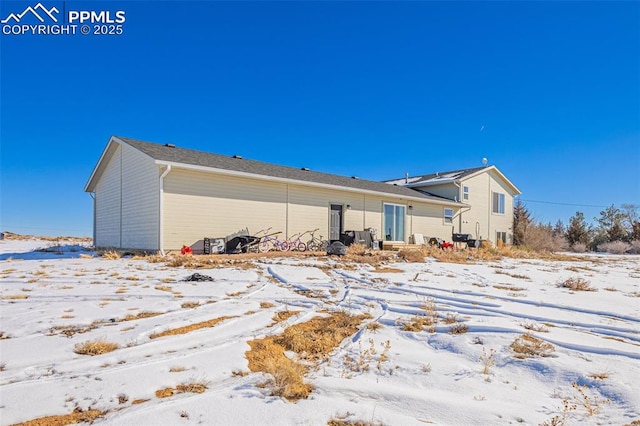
{"points": [[335, 222]]}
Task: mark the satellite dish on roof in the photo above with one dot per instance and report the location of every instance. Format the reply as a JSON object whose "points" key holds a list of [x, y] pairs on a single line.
{"points": [[484, 161]]}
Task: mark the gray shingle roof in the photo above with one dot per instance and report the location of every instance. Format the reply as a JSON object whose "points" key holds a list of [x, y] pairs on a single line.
{"points": [[205, 159]]}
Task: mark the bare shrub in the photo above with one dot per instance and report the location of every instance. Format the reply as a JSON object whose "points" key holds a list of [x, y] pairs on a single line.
{"points": [[635, 247], [579, 247], [591, 403], [95, 347], [426, 321], [488, 360], [576, 284], [459, 328], [527, 345], [411, 255], [615, 247]]}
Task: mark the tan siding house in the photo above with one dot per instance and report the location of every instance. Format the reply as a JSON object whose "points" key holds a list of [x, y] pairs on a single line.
{"points": [[486, 193], [159, 197]]}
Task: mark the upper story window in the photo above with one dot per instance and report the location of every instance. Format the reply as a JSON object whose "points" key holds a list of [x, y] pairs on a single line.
{"points": [[498, 202], [465, 193], [448, 215]]}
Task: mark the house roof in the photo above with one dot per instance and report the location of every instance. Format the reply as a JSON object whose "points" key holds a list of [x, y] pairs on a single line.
{"points": [[171, 155], [448, 177]]}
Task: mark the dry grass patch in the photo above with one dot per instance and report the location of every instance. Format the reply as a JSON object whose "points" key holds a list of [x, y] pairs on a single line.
{"points": [[508, 287], [189, 305], [599, 376], [459, 328], [14, 297], [520, 276], [539, 328], [357, 249], [95, 347], [110, 255], [411, 255], [177, 369], [386, 270], [426, 321], [341, 422], [266, 305], [283, 316], [163, 288], [140, 315], [190, 328], [313, 340], [77, 416], [576, 284], [526, 346]]}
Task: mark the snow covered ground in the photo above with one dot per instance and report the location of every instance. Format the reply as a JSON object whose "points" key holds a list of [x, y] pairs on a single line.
{"points": [[53, 300]]}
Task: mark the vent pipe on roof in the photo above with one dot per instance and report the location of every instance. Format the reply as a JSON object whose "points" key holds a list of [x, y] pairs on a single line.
{"points": [[355, 177], [238, 157], [406, 178], [169, 145], [306, 169]]}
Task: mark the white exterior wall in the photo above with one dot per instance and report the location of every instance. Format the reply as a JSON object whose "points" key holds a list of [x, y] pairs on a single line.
{"points": [[140, 200], [107, 204], [127, 197]]}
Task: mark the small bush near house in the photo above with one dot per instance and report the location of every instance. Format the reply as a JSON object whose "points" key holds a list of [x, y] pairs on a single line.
{"points": [[579, 248], [614, 247]]}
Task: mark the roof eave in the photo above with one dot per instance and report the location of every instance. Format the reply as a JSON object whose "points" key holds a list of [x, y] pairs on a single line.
{"points": [[514, 188]]}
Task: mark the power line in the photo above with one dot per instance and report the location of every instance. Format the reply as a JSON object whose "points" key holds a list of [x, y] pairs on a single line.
{"points": [[564, 204]]}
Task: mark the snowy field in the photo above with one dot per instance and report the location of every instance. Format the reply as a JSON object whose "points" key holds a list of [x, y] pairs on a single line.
{"points": [[462, 368]]}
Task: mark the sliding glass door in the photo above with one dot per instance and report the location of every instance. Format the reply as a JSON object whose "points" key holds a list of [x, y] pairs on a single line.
{"points": [[394, 216]]}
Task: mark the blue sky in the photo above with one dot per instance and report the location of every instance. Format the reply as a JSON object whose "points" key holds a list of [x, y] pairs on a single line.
{"points": [[548, 91]]}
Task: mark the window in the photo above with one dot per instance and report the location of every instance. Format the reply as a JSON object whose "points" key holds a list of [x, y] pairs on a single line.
{"points": [[448, 215], [501, 236], [465, 193], [394, 222], [498, 203]]}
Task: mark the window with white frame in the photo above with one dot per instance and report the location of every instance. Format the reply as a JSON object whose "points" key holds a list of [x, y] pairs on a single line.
{"points": [[498, 202], [394, 215], [448, 215], [501, 236], [465, 193]]}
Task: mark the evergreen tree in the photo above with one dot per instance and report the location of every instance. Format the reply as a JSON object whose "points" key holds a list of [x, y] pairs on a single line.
{"points": [[521, 222], [610, 223], [577, 231], [559, 229]]}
